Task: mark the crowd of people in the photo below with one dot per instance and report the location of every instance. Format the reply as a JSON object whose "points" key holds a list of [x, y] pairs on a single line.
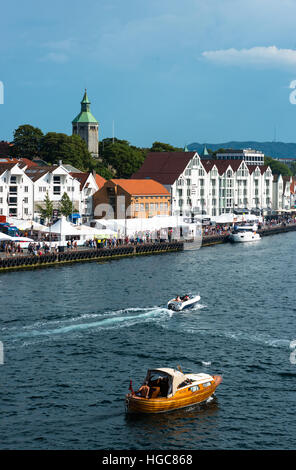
{"points": [[50, 244]]}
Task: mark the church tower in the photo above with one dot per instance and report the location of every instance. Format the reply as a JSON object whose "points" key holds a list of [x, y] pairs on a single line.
{"points": [[87, 127]]}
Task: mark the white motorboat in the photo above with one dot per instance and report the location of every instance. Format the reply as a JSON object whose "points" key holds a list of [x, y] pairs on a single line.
{"points": [[245, 233], [179, 304]]}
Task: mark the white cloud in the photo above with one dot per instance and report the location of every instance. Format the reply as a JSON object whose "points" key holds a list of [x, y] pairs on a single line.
{"points": [[267, 56]]}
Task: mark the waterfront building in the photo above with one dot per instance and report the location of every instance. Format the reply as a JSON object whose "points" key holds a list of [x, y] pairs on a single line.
{"points": [[86, 125], [55, 181], [293, 191], [16, 191], [137, 198], [210, 187], [250, 156], [24, 185], [281, 192], [89, 185]]}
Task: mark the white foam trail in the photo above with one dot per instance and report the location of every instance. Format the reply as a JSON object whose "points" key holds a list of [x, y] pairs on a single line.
{"points": [[117, 319]]}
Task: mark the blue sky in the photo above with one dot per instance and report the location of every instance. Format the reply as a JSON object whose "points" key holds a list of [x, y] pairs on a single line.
{"points": [[178, 72]]}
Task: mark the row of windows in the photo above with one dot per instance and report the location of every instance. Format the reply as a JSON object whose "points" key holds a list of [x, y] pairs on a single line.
{"points": [[162, 206]]}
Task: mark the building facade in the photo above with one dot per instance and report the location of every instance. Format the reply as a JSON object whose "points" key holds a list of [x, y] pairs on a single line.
{"points": [[120, 199], [23, 189], [212, 187]]}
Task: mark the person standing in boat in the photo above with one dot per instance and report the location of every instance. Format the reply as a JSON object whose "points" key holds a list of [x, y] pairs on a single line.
{"points": [[144, 390]]}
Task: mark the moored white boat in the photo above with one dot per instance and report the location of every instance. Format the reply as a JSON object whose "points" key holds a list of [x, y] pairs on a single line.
{"points": [[245, 233]]}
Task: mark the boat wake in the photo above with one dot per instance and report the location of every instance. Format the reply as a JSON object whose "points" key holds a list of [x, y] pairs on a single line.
{"points": [[100, 321]]}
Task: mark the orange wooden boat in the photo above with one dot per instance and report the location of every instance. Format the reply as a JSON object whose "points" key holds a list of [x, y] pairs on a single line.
{"points": [[169, 389]]}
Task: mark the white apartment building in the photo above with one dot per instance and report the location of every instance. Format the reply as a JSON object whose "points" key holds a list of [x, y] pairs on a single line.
{"points": [[88, 187], [23, 189], [212, 187], [282, 197], [16, 192]]}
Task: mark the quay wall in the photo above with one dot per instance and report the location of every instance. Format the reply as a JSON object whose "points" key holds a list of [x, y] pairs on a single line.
{"points": [[55, 259], [264, 232]]}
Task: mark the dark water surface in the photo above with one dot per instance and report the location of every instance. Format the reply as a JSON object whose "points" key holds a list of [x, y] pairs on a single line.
{"points": [[75, 335]]}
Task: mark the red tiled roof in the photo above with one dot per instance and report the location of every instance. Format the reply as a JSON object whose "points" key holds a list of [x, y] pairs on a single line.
{"points": [[81, 177], [141, 186], [100, 181], [164, 167], [5, 166], [23, 162]]}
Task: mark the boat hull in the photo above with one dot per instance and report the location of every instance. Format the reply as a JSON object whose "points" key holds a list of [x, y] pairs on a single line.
{"points": [[182, 399], [241, 238], [179, 306]]}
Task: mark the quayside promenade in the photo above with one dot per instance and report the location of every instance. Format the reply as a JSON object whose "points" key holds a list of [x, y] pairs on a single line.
{"points": [[25, 261], [265, 230]]}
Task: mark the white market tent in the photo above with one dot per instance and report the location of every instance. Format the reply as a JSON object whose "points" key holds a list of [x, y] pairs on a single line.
{"points": [[131, 227], [5, 238], [27, 224]]}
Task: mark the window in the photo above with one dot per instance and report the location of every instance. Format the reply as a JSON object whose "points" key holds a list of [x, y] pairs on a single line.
{"points": [[26, 189], [56, 180], [26, 210], [206, 384], [194, 388], [26, 200], [1, 200], [56, 190], [13, 180]]}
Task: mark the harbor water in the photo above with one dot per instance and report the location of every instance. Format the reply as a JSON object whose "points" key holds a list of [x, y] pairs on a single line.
{"points": [[74, 336]]}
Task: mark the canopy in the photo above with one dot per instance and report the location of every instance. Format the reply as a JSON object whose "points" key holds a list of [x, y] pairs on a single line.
{"points": [[28, 224], [176, 377], [22, 239], [4, 237], [63, 227]]}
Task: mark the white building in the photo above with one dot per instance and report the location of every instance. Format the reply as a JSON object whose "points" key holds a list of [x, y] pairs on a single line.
{"points": [[211, 187], [282, 198], [16, 191], [23, 189]]}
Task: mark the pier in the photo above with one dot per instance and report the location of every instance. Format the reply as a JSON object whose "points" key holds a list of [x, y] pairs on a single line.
{"points": [[25, 261], [209, 240], [80, 255]]}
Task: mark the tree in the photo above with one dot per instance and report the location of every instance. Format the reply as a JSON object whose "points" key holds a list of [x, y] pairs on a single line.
{"points": [[162, 147], [46, 210], [69, 149], [66, 206], [293, 168], [26, 140], [277, 167], [121, 158]]}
